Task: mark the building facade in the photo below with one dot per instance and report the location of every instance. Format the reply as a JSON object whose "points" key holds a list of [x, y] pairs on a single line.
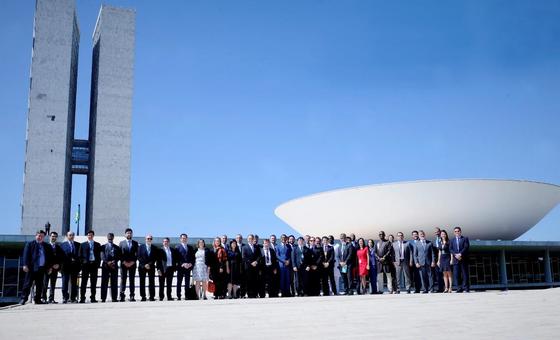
{"points": [[52, 154], [51, 115]]}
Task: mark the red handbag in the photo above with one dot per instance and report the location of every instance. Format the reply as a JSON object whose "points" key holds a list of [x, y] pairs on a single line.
{"points": [[211, 287]]}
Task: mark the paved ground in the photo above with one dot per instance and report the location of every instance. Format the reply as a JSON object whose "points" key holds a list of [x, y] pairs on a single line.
{"points": [[530, 314]]}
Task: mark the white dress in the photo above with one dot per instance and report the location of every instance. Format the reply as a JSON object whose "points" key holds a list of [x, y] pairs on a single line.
{"points": [[200, 270]]}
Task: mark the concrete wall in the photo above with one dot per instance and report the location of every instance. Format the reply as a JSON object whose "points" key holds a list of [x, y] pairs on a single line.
{"points": [[108, 193], [47, 172]]}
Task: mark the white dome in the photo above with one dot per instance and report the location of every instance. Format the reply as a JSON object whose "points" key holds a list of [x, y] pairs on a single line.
{"points": [[484, 209]]}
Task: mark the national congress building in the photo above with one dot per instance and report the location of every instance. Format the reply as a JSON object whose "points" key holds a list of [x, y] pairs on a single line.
{"points": [[53, 155]]}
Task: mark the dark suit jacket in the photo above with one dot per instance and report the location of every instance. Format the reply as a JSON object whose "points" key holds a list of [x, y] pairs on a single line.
{"points": [[129, 254], [463, 247], [407, 252], [297, 256], [71, 260], [57, 255], [84, 252], [273, 259], [318, 257], [308, 257], [176, 259], [113, 254], [185, 256], [347, 255], [251, 256], [144, 258], [31, 255], [329, 257]]}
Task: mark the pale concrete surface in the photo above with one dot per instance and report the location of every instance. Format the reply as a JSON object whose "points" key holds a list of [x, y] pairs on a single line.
{"points": [[531, 314]]}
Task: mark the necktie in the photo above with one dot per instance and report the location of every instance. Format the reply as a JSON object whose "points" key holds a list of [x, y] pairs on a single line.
{"points": [[457, 243], [401, 249], [148, 248], [129, 245]]}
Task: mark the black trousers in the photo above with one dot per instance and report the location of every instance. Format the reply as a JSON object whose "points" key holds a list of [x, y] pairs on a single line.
{"points": [[313, 282], [461, 268], [252, 279], [328, 276], [300, 280], [109, 275], [151, 273], [49, 284], [183, 274], [89, 271], [131, 274], [70, 277], [271, 281], [416, 280], [166, 282], [220, 282], [31, 277]]}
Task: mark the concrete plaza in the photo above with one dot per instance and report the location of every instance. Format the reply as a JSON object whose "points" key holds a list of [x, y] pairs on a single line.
{"points": [[528, 314]]}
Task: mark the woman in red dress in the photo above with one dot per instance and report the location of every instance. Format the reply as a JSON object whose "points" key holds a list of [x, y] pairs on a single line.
{"points": [[363, 263]]}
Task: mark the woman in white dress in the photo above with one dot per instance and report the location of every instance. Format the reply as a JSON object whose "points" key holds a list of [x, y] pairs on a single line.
{"points": [[201, 270]]}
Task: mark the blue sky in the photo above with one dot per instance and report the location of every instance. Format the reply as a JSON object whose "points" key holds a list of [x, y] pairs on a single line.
{"points": [[242, 105]]}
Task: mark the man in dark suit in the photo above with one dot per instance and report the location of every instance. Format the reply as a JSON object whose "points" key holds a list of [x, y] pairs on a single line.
{"points": [[129, 256], [299, 266], [251, 259], [169, 260], [424, 260], [328, 267], [415, 272], [186, 264], [55, 265], [316, 272], [71, 267], [437, 274], [345, 261], [384, 257], [242, 281], [110, 255], [270, 270], [459, 248], [90, 255], [36, 257], [147, 259], [311, 262], [403, 261]]}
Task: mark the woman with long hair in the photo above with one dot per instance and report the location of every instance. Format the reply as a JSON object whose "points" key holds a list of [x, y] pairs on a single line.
{"points": [[444, 261], [363, 263], [201, 270], [235, 263], [372, 267], [220, 269]]}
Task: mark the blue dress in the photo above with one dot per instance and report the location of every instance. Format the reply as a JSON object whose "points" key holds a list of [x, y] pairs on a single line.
{"points": [[445, 258]]}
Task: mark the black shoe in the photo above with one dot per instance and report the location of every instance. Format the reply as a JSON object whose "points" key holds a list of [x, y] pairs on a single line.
{"points": [[143, 299], [40, 302], [22, 302], [74, 301], [82, 301], [152, 299], [93, 300], [170, 299], [179, 298], [52, 301], [459, 291], [65, 301], [103, 300], [132, 299]]}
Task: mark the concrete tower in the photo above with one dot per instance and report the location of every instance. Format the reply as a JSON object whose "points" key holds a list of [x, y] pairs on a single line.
{"points": [[108, 188], [50, 121], [52, 153]]}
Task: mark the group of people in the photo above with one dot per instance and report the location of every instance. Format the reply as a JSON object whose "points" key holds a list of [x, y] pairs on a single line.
{"points": [[233, 269]]}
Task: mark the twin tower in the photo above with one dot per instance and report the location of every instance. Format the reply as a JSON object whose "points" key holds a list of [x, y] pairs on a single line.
{"points": [[52, 153]]}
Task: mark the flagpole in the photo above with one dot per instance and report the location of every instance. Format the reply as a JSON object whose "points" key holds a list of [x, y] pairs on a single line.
{"points": [[78, 221]]}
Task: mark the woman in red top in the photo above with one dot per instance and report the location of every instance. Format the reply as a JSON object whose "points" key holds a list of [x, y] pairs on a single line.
{"points": [[363, 263]]}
